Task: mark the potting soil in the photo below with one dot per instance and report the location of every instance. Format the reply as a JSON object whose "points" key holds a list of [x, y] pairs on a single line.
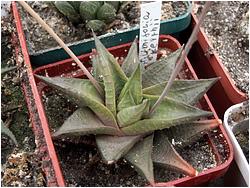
{"points": [[82, 165], [21, 165], [38, 39]]}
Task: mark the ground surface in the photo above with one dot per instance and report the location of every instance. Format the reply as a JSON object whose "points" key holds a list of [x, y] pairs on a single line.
{"points": [[226, 25], [23, 168], [20, 165]]}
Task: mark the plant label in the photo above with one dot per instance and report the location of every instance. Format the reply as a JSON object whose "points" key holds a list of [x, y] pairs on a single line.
{"points": [[149, 31]]}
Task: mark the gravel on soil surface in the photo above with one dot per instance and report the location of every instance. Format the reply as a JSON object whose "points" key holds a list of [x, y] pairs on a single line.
{"points": [[20, 166], [227, 27], [38, 39], [82, 165], [243, 139]]}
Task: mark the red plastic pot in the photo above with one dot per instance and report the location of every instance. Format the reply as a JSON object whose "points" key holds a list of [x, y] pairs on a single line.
{"points": [[67, 68], [207, 64]]}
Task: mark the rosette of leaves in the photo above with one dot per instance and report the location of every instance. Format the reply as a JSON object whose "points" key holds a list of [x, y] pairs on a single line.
{"points": [[119, 119], [96, 14]]}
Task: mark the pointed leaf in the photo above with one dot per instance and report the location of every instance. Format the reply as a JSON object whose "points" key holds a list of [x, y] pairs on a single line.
{"points": [[4, 70], [165, 155], [131, 89], [84, 122], [131, 61], [97, 73], [187, 91], [190, 131], [109, 84], [119, 76], [84, 94], [169, 113], [126, 101], [112, 148], [5, 130], [141, 157], [160, 70], [132, 114]]}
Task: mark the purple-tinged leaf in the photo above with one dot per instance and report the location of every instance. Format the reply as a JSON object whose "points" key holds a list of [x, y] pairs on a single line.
{"points": [[132, 114], [131, 61], [132, 90], [84, 122], [160, 70], [141, 157], [84, 94], [187, 132], [112, 148], [187, 91], [169, 113], [119, 76], [165, 155]]}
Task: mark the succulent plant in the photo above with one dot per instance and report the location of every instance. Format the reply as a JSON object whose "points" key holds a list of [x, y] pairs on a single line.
{"points": [[119, 119], [96, 14]]}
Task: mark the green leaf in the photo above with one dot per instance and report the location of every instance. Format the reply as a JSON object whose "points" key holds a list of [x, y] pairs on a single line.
{"points": [[7, 132], [160, 71], [132, 90], [165, 155], [84, 122], [84, 94], [106, 12], [75, 4], [96, 25], [141, 157], [187, 132], [132, 114], [169, 113], [113, 76], [97, 72], [118, 75], [109, 85], [4, 70], [126, 101], [112, 148], [131, 61], [66, 9], [88, 10], [187, 91]]}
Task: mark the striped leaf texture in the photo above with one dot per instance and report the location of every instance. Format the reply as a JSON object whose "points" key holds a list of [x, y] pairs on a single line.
{"points": [[165, 155], [169, 113], [84, 94], [160, 71], [131, 61], [112, 148], [132, 114], [187, 91], [131, 93], [141, 157], [84, 122]]}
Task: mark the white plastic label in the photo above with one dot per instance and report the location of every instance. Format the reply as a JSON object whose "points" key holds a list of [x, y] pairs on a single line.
{"points": [[149, 31]]}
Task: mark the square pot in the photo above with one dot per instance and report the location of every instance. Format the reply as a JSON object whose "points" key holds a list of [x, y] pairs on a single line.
{"points": [[67, 68], [47, 56]]}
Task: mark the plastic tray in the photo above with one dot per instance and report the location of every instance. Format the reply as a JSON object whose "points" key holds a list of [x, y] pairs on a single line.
{"points": [[47, 56]]}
